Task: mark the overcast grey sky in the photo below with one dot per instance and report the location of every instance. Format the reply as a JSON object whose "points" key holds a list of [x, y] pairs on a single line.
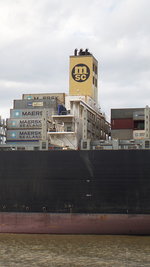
{"points": [[38, 36]]}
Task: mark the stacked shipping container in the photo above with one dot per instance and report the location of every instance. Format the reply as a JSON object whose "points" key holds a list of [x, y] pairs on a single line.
{"points": [[125, 121], [27, 116]]}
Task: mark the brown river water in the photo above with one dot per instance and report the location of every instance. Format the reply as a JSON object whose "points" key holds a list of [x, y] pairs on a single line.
{"points": [[74, 250]]}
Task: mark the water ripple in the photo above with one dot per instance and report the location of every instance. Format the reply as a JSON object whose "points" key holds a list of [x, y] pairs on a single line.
{"points": [[74, 251]]}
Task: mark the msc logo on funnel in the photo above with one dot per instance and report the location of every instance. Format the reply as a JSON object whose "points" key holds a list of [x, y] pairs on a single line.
{"points": [[80, 72]]}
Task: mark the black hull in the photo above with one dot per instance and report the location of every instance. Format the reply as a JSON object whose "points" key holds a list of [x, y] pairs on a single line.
{"points": [[75, 182]]}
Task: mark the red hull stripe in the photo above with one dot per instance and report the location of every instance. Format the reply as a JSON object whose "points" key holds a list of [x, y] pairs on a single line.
{"points": [[62, 223]]}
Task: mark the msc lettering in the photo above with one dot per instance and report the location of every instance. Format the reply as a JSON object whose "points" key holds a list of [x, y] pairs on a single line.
{"points": [[80, 72]]}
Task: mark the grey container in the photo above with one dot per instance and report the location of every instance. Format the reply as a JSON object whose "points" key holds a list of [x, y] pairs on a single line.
{"points": [[36, 104], [33, 123], [59, 96], [23, 135], [29, 113], [139, 115], [125, 113], [122, 134]]}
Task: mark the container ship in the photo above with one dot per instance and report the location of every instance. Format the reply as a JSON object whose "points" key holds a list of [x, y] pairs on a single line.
{"points": [[65, 169]]}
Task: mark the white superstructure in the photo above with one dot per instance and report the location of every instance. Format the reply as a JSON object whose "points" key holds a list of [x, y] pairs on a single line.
{"points": [[82, 124]]}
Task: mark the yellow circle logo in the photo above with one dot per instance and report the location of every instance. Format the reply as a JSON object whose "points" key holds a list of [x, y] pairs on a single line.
{"points": [[80, 72]]}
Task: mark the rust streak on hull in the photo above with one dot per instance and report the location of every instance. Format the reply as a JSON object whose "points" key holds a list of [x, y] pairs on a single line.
{"points": [[63, 223]]}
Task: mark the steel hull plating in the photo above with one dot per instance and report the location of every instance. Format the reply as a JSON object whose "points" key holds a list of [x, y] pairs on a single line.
{"points": [[46, 223], [76, 192]]}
